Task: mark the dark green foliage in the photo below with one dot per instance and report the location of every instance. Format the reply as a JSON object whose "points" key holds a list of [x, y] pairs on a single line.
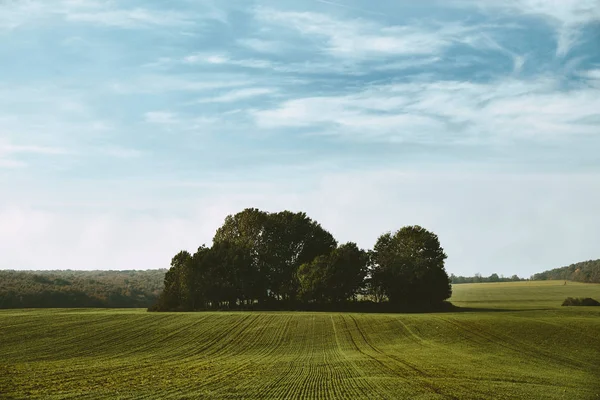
{"points": [[581, 301], [278, 244], [175, 285], [586, 271], [336, 277], [286, 260], [409, 267], [50, 289], [292, 239]]}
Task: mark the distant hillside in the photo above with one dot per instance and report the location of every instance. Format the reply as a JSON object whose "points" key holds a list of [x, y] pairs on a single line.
{"points": [[35, 289], [586, 271]]}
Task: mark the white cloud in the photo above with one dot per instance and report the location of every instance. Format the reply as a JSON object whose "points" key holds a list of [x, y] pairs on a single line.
{"points": [[9, 153], [130, 18], [162, 83], [567, 16], [592, 74], [121, 152], [160, 117], [518, 63], [177, 123], [446, 111], [220, 59], [359, 38], [406, 64], [11, 164], [19, 13], [16, 13], [306, 67], [237, 95], [261, 45], [11, 148]]}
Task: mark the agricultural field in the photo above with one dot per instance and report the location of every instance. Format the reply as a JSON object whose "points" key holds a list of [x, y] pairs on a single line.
{"points": [[515, 341]]}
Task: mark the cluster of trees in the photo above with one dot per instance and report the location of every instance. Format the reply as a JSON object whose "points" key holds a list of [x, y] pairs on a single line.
{"points": [[482, 279], [53, 289], [285, 260], [586, 271]]}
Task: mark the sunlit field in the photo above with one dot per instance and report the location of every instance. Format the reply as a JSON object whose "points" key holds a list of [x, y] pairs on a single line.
{"points": [[514, 342]]}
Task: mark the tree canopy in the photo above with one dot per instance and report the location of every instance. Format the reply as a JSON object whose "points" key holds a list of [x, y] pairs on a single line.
{"points": [[335, 277], [409, 267], [69, 288], [585, 271], [286, 260]]}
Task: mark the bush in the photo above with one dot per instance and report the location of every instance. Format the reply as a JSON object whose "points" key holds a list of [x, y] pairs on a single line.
{"points": [[570, 301]]}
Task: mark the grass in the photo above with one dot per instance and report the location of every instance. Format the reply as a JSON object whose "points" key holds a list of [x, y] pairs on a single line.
{"points": [[521, 295], [536, 350]]}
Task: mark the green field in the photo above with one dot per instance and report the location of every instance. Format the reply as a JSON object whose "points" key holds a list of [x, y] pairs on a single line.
{"points": [[516, 342]]}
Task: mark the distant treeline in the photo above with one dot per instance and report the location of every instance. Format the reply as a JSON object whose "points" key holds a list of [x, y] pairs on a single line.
{"points": [[586, 271], [481, 279], [67, 288], [287, 261]]}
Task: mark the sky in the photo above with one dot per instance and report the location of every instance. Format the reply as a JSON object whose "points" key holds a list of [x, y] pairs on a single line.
{"points": [[130, 129]]}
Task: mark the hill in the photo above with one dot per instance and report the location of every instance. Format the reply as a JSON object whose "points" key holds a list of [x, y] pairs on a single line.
{"points": [[51, 289], [586, 271], [525, 295], [537, 351]]}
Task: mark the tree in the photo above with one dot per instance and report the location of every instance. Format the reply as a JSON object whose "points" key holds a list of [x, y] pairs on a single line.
{"points": [[409, 267], [285, 257], [226, 273], [177, 291], [312, 277], [278, 244], [336, 277], [247, 229], [292, 239]]}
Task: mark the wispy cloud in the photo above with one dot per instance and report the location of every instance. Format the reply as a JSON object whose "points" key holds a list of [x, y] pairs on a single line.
{"points": [[130, 18], [121, 152], [160, 117], [10, 154], [592, 74], [568, 17], [407, 63], [358, 38], [11, 148], [162, 83], [220, 59], [171, 121], [449, 111], [262, 45], [237, 95], [123, 107], [10, 163], [111, 14]]}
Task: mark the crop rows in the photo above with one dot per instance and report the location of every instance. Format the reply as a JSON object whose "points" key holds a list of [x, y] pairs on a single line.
{"points": [[135, 354]]}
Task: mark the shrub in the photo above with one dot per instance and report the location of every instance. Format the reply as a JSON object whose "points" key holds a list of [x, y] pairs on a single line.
{"points": [[587, 301]]}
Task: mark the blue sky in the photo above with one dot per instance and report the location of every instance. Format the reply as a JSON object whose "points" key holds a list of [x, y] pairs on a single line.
{"points": [[130, 129]]}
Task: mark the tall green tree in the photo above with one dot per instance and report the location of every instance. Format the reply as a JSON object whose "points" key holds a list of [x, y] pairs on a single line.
{"points": [[292, 239], [336, 277], [177, 293], [225, 275], [247, 230], [409, 267], [278, 244]]}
